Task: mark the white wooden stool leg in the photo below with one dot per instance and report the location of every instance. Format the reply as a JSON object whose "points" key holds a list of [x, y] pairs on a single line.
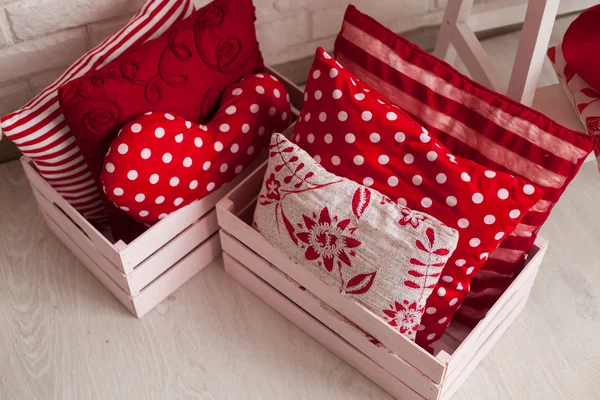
{"points": [[533, 43], [456, 11]]}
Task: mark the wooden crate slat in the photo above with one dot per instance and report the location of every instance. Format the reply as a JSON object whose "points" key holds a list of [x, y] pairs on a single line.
{"points": [[358, 314], [457, 366], [400, 369], [477, 357], [51, 211], [173, 251], [318, 331], [167, 228], [296, 94], [177, 275], [36, 180], [528, 273], [90, 264]]}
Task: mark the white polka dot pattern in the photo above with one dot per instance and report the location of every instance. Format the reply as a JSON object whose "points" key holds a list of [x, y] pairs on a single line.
{"points": [[161, 162], [417, 167]]}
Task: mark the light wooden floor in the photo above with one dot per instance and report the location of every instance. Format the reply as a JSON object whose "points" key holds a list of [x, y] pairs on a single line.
{"points": [[63, 336]]}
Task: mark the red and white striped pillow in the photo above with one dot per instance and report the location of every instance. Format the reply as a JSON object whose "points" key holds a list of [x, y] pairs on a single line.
{"points": [[474, 123], [39, 128]]}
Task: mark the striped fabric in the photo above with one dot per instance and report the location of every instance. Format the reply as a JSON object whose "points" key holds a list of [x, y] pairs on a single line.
{"points": [[39, 128], [475, 123]]}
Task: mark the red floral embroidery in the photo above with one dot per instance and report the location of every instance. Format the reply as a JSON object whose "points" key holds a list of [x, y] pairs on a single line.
{"points": [[410, 217], [361, 283], [593, 125], [272, 185], [295, 180], [592, 94], [422, 270], [360, 201], [327, 239], [404, 317]]}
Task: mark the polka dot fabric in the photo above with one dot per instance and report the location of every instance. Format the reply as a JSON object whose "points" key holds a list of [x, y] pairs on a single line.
{"points": [[160, 162], [354, 132]]}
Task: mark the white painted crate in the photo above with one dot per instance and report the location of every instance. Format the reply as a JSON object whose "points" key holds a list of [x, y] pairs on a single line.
{"points": [[144, 272], [407, 371]]}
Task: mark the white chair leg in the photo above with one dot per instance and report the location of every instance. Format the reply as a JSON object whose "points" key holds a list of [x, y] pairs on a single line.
{"points": [[533, 43], [456, 11]]}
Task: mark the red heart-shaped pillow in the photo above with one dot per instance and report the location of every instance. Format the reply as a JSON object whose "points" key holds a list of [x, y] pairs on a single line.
{"points": [[160, 162], [581, 46]]}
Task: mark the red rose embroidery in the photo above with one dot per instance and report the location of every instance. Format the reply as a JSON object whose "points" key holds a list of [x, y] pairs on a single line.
{"points": [[328, 240], [272, 185], [404, 317], [409, 217]]}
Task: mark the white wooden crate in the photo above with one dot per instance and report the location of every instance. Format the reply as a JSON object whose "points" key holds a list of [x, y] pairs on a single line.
{"points": [[145, 271], [405, 370]]}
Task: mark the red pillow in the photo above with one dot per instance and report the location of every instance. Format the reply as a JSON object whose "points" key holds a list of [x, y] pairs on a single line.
{"points": [[184, 71], [354, 132], [473, 122], [160, 162], [580, 46]]}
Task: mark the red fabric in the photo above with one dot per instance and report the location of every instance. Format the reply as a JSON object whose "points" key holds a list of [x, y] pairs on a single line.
{"points": [[473, 122], [39, 128], [356, 133], [581, 46], [160, 162], [184, 71]]}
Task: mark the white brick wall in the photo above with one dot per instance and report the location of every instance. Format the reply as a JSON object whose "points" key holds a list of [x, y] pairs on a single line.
{"points": [[39, 38]]}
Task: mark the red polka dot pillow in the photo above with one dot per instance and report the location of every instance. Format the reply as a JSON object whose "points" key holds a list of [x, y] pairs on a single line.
{"points": [[356, 133], [160, 162], [379, 253]]}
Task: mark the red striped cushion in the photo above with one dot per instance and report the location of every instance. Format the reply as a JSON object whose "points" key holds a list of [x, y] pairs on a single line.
{"points": [[475, 123], [39, 128]]}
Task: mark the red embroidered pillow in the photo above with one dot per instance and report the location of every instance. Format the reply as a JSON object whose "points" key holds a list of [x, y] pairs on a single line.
{"points": [[383, 255], [160, 162], [39, 128], [585, 100], [184, 72], [354, 132], [580, 46], [473, 122]]}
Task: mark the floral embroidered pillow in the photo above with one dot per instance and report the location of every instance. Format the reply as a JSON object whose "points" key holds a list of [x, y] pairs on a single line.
{"points": [[372, 249]]}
